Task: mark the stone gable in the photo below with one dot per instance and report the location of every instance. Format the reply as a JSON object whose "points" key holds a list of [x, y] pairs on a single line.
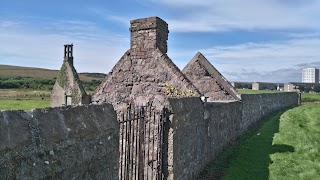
{"points": [[143, 72], [68, 89], [209, 80]]}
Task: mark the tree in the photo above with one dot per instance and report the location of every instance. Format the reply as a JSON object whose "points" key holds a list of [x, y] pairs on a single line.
{"points": [[307, 89], [316, 88], [301, 88]]}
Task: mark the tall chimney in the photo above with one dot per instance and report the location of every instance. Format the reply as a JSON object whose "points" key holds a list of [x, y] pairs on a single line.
{"points": [[147, 34], [68, 53]]}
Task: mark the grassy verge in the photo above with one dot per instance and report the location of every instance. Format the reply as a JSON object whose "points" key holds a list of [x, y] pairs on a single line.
{"points": [[251, 150], [310, 97], [299, 128], [286, 146], [12, 104]]}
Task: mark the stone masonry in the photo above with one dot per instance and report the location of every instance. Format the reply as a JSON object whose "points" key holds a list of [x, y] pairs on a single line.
{"points": [[68, 89], [209, 80], [144, 71]]}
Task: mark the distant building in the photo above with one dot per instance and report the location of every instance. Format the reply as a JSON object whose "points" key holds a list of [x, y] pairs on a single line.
{"points": [[68, 89], [298, 86], [266, 86], [310, 75], [241, 85], [290, 87]]}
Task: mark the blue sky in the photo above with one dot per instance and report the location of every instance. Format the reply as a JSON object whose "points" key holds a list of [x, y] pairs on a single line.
{"points": [[251, 40]]}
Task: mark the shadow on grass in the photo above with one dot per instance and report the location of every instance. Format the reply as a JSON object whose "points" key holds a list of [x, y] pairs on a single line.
{"points": [[249, 156]]}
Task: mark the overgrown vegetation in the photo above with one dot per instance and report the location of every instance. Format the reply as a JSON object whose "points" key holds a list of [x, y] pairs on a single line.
{"points": [[40, 83], [26, 83], [62, 77], [286, 146]]}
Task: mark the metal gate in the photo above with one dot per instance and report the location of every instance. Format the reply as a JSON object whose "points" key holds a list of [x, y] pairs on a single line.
{"points": [[141, 143]]}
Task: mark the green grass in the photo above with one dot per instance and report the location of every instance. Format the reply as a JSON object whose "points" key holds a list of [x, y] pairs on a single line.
{"points": [[250, 91], [310, 97], [12, 104], [299, 128], [286, 146]]}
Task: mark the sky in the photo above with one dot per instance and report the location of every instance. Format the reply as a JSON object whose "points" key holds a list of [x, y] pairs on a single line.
{"points": [[251, 40]]}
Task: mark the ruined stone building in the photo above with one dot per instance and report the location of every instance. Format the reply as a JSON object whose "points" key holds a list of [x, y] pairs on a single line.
{"points": [[144, 72], [208, 80], [68, 89]]}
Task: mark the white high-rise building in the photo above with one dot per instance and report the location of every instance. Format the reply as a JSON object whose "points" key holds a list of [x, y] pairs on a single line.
{"points": [[310, 75]]}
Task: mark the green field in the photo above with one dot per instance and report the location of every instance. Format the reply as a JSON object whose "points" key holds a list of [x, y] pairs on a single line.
{"points": [[286, 146], [23, 99], [12, 104], [250, 91]]}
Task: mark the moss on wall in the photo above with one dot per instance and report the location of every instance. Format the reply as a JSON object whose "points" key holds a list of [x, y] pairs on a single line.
{"points": [[62, 77]]}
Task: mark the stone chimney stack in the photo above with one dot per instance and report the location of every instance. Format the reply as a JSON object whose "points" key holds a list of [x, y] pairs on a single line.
{"points": [[147, 34], [68, 53]]}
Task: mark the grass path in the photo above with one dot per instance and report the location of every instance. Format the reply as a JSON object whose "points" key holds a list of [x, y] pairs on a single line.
{"points": [[286, 146]]}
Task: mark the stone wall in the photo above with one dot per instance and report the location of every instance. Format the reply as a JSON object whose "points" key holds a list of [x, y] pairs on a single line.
{"points": [[199, 132], [187, 138], [60, 143], [257, 106]]}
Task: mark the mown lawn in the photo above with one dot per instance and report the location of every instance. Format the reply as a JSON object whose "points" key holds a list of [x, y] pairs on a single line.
{"points": [[286, 146], [13, 104]]}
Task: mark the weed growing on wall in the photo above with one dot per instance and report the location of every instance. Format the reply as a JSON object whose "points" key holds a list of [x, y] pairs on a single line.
{"points": [[172, 91]]}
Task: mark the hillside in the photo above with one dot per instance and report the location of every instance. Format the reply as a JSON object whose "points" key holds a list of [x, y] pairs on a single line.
{"points": [[14, 71]]}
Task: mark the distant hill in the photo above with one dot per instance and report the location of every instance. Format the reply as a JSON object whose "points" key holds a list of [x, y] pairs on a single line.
{"points": [[14, 71]]}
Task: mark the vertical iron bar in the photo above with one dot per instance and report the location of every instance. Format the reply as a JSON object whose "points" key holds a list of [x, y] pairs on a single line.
{"points": [[148, 154], [163, 128], [137, 157], [154, 136], [132, 143], [122, 137], [126, 150], [141, 144], [129, 144]]}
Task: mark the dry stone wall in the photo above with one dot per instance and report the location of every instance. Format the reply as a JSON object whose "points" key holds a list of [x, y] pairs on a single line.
{"points": [[257, 106], [200, 131], [60, 143]]}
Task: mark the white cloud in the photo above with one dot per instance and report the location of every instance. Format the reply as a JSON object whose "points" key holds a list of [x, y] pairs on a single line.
{"points": [[94, 49], [264, 61], [223, 15]]}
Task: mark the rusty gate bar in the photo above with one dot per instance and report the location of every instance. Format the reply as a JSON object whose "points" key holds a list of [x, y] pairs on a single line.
{"points": [[141, 142]]}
